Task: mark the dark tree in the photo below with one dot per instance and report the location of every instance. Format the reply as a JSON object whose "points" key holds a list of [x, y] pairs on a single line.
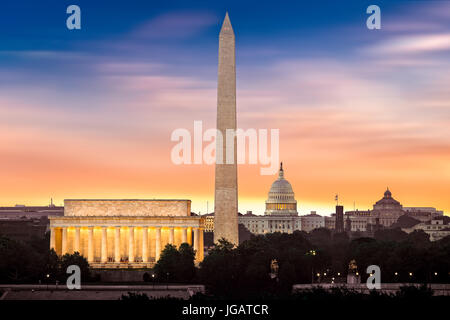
{"points": [[78, 260], [167, 265], [176, 265], [186, 269], [395, 234]]}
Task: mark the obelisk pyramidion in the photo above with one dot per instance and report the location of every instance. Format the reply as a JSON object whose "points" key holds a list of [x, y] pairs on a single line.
{"points": [[226, 191]]}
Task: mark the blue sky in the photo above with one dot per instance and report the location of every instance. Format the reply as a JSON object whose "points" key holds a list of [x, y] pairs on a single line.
{"points": [[292, 27]]}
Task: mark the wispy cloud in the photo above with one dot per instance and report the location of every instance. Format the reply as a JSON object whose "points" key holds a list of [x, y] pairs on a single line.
{"points": [[175, 25], [412, 44]]}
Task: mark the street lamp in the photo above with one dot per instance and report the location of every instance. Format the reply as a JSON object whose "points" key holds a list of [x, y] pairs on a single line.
{"points": [[168, 280], [311, 253]]}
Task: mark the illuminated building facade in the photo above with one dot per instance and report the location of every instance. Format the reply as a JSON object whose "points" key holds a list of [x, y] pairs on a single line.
{"points": [[125, 233]]}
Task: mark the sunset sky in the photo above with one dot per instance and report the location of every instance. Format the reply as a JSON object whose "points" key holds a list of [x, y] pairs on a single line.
{"points": [[89, 113]]}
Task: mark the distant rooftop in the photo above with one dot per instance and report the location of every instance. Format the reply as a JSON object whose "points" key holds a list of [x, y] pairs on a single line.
{"points": [[127, 200], [312, 214], [30, 208]]}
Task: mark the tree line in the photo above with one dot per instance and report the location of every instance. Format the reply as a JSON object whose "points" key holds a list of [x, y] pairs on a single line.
{"points": [[318, 256], [245, 270], [33, 262]]}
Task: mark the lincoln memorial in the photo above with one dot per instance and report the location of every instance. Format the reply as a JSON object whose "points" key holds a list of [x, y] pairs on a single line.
{"points": [[125, 233]]}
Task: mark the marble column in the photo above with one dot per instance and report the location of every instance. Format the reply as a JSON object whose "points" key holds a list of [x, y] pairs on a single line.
{"points": [[200, 245], [157, 244], [184, 235], [117, 245], [76, 240], [131, 245], [171, 235], [104, 252], [189, 235], [90, 244], [64, 241], [52, 238], [196, 242], [145, 244]]}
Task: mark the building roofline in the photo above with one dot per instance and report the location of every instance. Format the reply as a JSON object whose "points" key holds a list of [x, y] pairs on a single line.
{"points": [[127, 200]]}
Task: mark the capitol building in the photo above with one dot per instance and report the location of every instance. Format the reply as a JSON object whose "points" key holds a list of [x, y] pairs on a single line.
{"points": [[281, 214], [281, 210], [281, 200]]}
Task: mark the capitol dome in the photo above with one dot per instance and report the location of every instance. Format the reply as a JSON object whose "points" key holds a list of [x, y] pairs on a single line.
{"points": [[281, 200]]}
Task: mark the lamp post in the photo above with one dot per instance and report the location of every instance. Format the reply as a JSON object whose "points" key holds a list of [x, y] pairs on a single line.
{"points": [[167, 280], [312, 254]]}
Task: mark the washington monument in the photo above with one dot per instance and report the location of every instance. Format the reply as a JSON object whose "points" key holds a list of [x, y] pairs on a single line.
{"points": [[226, 191]]}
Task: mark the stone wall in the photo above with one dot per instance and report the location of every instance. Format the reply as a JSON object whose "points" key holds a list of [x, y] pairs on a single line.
{"points": [[151, 208]]}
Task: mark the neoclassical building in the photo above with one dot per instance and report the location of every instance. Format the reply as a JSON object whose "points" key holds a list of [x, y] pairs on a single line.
{"points": [[387, 210], [281, 210], [125, 233], [281, 200]]}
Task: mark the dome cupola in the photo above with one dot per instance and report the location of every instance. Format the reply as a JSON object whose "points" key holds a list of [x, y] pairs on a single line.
{"points": [[281, 200]]}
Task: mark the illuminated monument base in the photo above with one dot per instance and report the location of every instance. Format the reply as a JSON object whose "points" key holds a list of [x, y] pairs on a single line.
{"points": [[125, 233]]}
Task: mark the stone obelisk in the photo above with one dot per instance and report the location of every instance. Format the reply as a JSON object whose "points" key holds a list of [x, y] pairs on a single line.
{"points": [[226, 191]]}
